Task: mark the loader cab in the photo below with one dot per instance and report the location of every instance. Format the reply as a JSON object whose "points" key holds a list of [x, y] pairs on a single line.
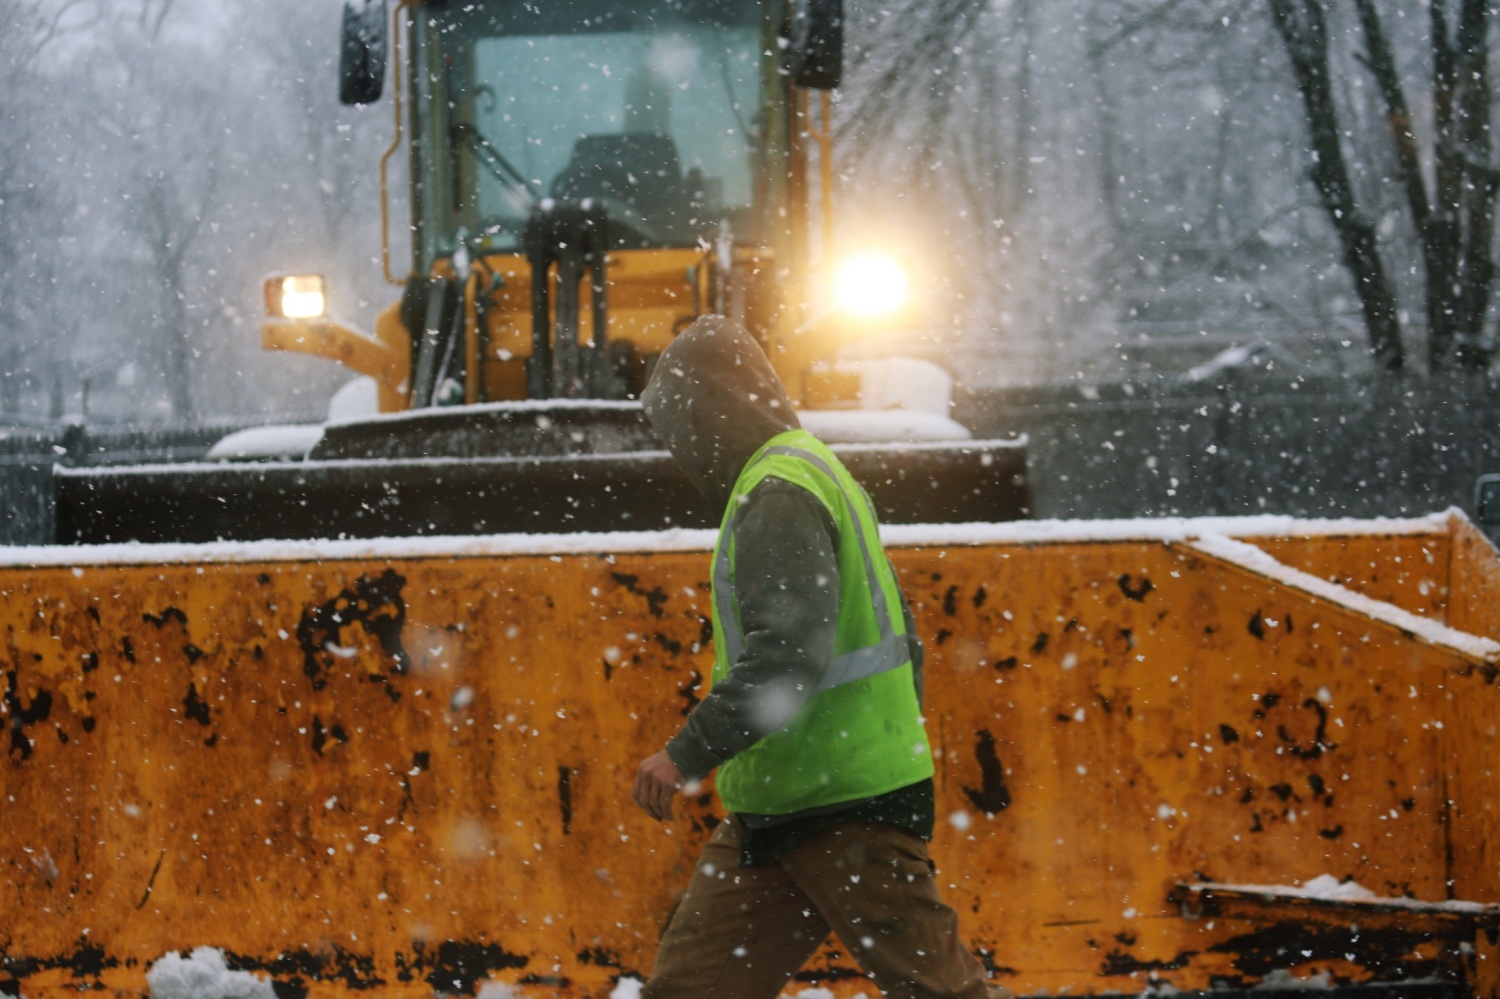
{"points": [[668, 113], [586, 180]]}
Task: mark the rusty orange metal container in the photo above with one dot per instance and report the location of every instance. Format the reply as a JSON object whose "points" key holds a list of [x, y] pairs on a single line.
{"points": [[403, 768]]}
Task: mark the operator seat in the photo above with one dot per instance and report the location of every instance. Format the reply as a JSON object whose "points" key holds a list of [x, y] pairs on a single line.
{"points": [[641, 169]]}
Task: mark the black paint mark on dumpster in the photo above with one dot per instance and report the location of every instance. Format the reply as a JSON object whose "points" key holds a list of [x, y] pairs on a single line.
{"points": [[1267, 702], [993, 796], [565, 797], [656, 598], [689, 692], [1393, 951], [170, 614], [979, 597], [127, 649], [376, 604], [22, 715], [950, 601], [1301, 748], [291, 968], [1117, 962], [601, 957], [1258, 625], [321, 735], [90, 662], [195, 707], [291, 988], [151, 881], [1040, 645], [1228, 734], [86, 962], [459, 965], [1135, 591]]}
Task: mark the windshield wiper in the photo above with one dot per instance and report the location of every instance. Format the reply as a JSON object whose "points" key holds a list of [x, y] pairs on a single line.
{"points": [[485, 152]]}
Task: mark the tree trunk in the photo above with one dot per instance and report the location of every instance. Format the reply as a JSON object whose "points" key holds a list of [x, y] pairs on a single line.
{"points": [[1303, 28], [1443, 231], [1482, 184]]}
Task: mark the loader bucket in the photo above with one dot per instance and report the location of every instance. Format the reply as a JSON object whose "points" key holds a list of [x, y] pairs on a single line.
{"points": [[517, 467], [403, 767]]}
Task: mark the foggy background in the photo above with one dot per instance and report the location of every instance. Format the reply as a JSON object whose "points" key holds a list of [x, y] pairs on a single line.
{"points": [[1106, 196]]}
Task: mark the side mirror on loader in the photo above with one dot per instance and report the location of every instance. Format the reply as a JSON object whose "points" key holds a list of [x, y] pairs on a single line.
{"points": [[362, 52], [816, 46]]}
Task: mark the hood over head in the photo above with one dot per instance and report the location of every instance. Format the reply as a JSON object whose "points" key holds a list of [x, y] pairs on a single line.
{"points": [[715, 399]]}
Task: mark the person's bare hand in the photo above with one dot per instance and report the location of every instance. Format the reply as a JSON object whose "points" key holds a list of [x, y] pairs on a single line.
{"points": [[657, 782]]}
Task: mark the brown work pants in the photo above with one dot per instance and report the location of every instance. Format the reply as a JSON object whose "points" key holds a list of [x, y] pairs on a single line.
{"points": [[742, 932]]}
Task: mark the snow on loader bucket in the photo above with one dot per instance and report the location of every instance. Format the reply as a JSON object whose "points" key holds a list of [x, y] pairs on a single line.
{"points": [[401, 768]]}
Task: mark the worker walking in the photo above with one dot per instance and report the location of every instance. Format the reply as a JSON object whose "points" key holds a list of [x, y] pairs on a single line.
{"points": [[813, 720]]}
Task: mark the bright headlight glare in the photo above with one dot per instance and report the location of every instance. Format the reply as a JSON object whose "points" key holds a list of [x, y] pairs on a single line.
{"points": [[871, 285], [302, 296]]}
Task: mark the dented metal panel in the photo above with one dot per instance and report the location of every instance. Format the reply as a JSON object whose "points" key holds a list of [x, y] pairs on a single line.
{"points": [[412, 774]]}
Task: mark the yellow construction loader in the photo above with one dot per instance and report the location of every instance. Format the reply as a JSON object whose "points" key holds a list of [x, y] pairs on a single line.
{"points": [[361, 720], [586, 179]]}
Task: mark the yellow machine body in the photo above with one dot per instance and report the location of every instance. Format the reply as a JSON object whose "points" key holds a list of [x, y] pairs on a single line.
{"points": [[772, 282], [372, 768]]}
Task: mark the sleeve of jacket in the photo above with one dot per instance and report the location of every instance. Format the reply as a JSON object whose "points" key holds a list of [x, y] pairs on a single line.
{"points": [[914, 644], [787, 587]]}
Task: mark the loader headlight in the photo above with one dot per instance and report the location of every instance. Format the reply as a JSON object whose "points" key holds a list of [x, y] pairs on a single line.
{"points": [[871, 285], [295, 296]]}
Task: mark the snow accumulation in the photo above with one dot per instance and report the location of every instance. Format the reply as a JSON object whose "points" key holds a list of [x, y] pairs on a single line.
{"points": [[1327, 888], [374, 548], [292, 440], [1432, 632], [1033, 532], [519, 406], [1215, 537], [203, 974], [355, 400], [1170, 530], [840, 426]]}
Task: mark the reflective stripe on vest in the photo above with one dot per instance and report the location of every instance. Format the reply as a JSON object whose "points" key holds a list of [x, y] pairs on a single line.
{"points": [[892, 651]]}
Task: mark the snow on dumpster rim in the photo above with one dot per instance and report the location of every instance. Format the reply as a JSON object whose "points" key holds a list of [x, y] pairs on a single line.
{"points": [[1163, 529], [1327, 888], [1166, 530], [1253, 559]]}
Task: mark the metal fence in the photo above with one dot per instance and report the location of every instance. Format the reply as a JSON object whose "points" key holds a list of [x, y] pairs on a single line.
{"points": [[28, 455], [1334, 448]]}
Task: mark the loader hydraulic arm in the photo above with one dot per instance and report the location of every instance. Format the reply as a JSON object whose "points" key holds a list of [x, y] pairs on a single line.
{"points": [[385, 357]]}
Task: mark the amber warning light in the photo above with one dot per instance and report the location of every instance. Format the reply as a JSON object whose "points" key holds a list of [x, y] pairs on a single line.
{"points": [[295, 296]]}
